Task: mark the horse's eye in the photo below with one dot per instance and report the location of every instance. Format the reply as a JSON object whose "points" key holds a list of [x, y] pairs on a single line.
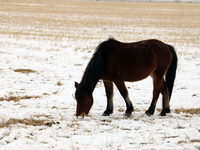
{"points": [[85, 99]]}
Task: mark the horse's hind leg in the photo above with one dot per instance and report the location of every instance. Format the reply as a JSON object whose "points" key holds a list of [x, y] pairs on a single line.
{"points": [[109, 95], [123, 91], [165, 94], [157, 83]]}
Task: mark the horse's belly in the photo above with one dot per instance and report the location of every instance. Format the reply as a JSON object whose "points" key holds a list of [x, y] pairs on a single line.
{"points": [[130, 75], [135, 76]]}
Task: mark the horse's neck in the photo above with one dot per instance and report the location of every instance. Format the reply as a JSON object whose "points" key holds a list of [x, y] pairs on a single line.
{"points": [[94, 71], [89, 81], [88, 86]]}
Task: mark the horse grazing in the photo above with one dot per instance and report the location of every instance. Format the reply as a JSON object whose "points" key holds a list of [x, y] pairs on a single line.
{"points": [[117, 62]]}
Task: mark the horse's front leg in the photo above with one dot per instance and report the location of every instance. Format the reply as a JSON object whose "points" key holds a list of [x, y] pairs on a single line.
{"points": [[124, 92], [109, 95]]}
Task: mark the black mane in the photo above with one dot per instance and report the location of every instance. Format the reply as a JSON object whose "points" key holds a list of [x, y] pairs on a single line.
{"points": [[95, 67]]}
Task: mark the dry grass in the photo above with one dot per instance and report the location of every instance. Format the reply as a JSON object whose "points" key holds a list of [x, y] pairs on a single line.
{"points": [[17, 98], [59, 83], [194, 141], [75, 19], [191, 111], [26, 71], [27, 121]]}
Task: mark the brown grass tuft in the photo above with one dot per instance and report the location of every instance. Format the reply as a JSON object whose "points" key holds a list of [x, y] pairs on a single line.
{"points": [[59, 83], [26, 71], [27, 121], [182, 142], [188, 111], [195, 141], [17, 98]]}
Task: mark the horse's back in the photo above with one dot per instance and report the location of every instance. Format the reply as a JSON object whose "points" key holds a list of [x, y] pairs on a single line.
{"points": [[135, 61]]}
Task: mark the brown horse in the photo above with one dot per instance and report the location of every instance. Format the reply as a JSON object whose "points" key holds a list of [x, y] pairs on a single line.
{"points": [[118, 62]]}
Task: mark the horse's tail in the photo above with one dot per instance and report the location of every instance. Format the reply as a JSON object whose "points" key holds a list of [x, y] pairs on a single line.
{"points": [[171, 72]]}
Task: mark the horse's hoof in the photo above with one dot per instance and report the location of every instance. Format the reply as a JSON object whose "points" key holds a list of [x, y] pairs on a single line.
{"points": [[167, 110], [163, 114], [148, 113], [128, 114], [105, 114]]}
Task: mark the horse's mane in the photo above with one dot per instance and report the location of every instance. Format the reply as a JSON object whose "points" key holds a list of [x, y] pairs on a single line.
{"points": [[95, 67]]}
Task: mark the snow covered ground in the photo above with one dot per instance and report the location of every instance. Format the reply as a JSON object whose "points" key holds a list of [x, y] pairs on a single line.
{"points": [[41, 56]]}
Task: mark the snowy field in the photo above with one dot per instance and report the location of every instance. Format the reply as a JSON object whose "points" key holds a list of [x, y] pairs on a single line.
{"points": [[45, 46]]}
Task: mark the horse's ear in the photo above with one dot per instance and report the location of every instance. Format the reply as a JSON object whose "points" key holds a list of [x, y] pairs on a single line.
{"points": [[76, 85]]}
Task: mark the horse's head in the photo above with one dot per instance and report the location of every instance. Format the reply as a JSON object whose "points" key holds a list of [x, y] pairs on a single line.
{"points": [[84, 99]]}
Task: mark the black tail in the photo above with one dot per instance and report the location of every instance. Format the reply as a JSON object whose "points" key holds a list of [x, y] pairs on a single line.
{"points": [[171, 72]]}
